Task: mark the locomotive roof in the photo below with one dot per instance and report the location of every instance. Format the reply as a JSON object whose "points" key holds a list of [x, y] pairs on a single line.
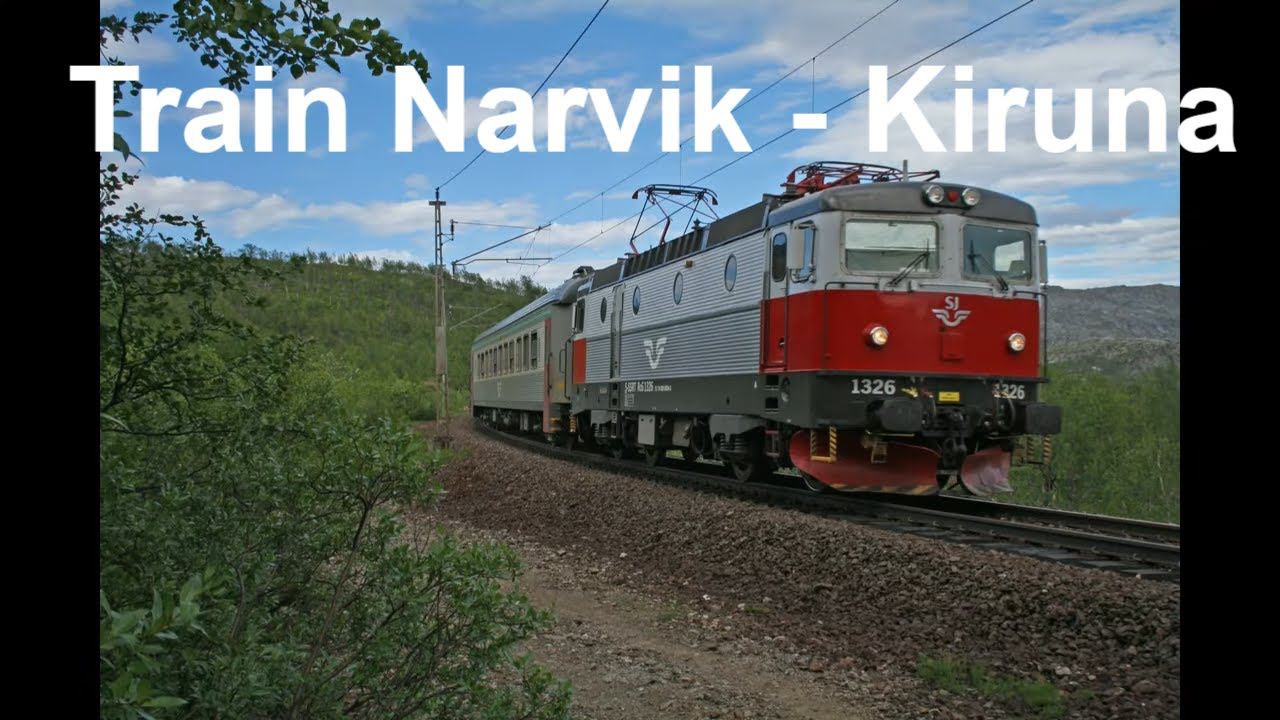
{"points": [[903, 197], [562, 295], [887, 197]]}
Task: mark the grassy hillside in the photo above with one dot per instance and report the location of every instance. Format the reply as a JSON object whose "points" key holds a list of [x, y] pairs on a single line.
{"points": [[1118, 454], [378, 323]]}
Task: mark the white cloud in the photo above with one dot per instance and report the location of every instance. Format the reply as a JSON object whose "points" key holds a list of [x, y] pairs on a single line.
{"points": [[244, 212], [1170, 277], [1156, 231], [381, 255], [262, 214], [1060, 209], [181, 195], [1124, 251], [1089, 13]]}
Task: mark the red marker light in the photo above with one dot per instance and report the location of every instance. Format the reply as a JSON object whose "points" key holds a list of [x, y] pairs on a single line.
{"points": [[953, 195]]}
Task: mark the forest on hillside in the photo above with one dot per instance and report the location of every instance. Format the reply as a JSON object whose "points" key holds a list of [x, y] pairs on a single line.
{"points": [[376, 319]]}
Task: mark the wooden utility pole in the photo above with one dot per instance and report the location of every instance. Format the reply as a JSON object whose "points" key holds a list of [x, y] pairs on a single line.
{"points": [[442, 348]]}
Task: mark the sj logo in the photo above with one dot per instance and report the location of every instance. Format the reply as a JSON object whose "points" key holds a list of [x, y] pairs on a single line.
{"points": [[950, 314], [653, 349]]}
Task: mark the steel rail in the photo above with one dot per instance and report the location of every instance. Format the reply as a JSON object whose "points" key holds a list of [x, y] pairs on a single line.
{"points": [[1131, 547], [1158, 532]]}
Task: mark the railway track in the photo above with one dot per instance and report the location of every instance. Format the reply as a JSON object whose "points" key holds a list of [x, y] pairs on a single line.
{"points": [[1132, 547]]}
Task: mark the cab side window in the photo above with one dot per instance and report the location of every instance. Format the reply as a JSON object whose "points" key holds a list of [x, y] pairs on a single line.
{"points": [[806, 272], [778, 262]]}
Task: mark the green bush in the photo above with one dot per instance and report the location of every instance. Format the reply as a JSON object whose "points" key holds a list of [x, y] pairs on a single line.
{"points": [[254, 560], [1119, 450]]}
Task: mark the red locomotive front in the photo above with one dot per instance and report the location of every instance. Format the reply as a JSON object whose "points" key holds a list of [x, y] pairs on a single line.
{"points": [[903, 326]]}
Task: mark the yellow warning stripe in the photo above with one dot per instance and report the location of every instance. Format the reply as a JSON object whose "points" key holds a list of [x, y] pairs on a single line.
{"points": [[832, 443]]}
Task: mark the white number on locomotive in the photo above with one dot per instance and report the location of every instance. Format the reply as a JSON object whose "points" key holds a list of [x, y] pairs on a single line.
{"points": [[874, 386], [1009, 390]]}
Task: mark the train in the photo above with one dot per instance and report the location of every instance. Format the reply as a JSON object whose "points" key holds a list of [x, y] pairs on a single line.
{"points": [[867, 328]]}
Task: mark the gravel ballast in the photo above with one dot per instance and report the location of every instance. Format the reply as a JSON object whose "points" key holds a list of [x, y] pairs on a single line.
{"points": [[840, 594]]}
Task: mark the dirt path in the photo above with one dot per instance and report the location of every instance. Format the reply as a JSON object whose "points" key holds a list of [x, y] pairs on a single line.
{"points": [[632, 656]]}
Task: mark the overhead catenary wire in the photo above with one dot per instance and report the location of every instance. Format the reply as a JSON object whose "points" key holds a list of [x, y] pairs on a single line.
{"points": [[541, 85], [494, 225], [746, 101], [785, 133], [464, 259]]}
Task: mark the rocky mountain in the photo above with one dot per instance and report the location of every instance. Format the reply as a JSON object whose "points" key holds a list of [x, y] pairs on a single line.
{"points": [[1115, 329]]}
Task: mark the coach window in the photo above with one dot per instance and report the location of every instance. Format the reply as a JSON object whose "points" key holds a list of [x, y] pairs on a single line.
{"points": [[730, 272], [635, 301], [604, 310], [579, 315], [778, 261], [533, 350], [677, 288], [890, 246]]}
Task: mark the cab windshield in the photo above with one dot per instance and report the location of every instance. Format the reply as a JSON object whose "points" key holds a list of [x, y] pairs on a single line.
{"points": [[890, 246], [995, 251]]}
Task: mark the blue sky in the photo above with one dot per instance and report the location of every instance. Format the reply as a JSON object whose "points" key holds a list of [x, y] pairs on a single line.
{"points": [[1109, 218]]}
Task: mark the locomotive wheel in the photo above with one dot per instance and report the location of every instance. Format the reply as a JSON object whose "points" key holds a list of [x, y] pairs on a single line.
{"points": [[569, 441], [653, 456], [620, 451], [689, 454], [750, 469], [812, 484]]}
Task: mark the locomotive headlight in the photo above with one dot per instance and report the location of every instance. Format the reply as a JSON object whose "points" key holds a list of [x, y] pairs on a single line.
{"points": [[878, 335], [971, 197], [784, 391], [934, 194], [1017, 342]]}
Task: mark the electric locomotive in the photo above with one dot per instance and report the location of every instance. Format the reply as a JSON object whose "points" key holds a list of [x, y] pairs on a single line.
{"points": [[873, 328]]}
